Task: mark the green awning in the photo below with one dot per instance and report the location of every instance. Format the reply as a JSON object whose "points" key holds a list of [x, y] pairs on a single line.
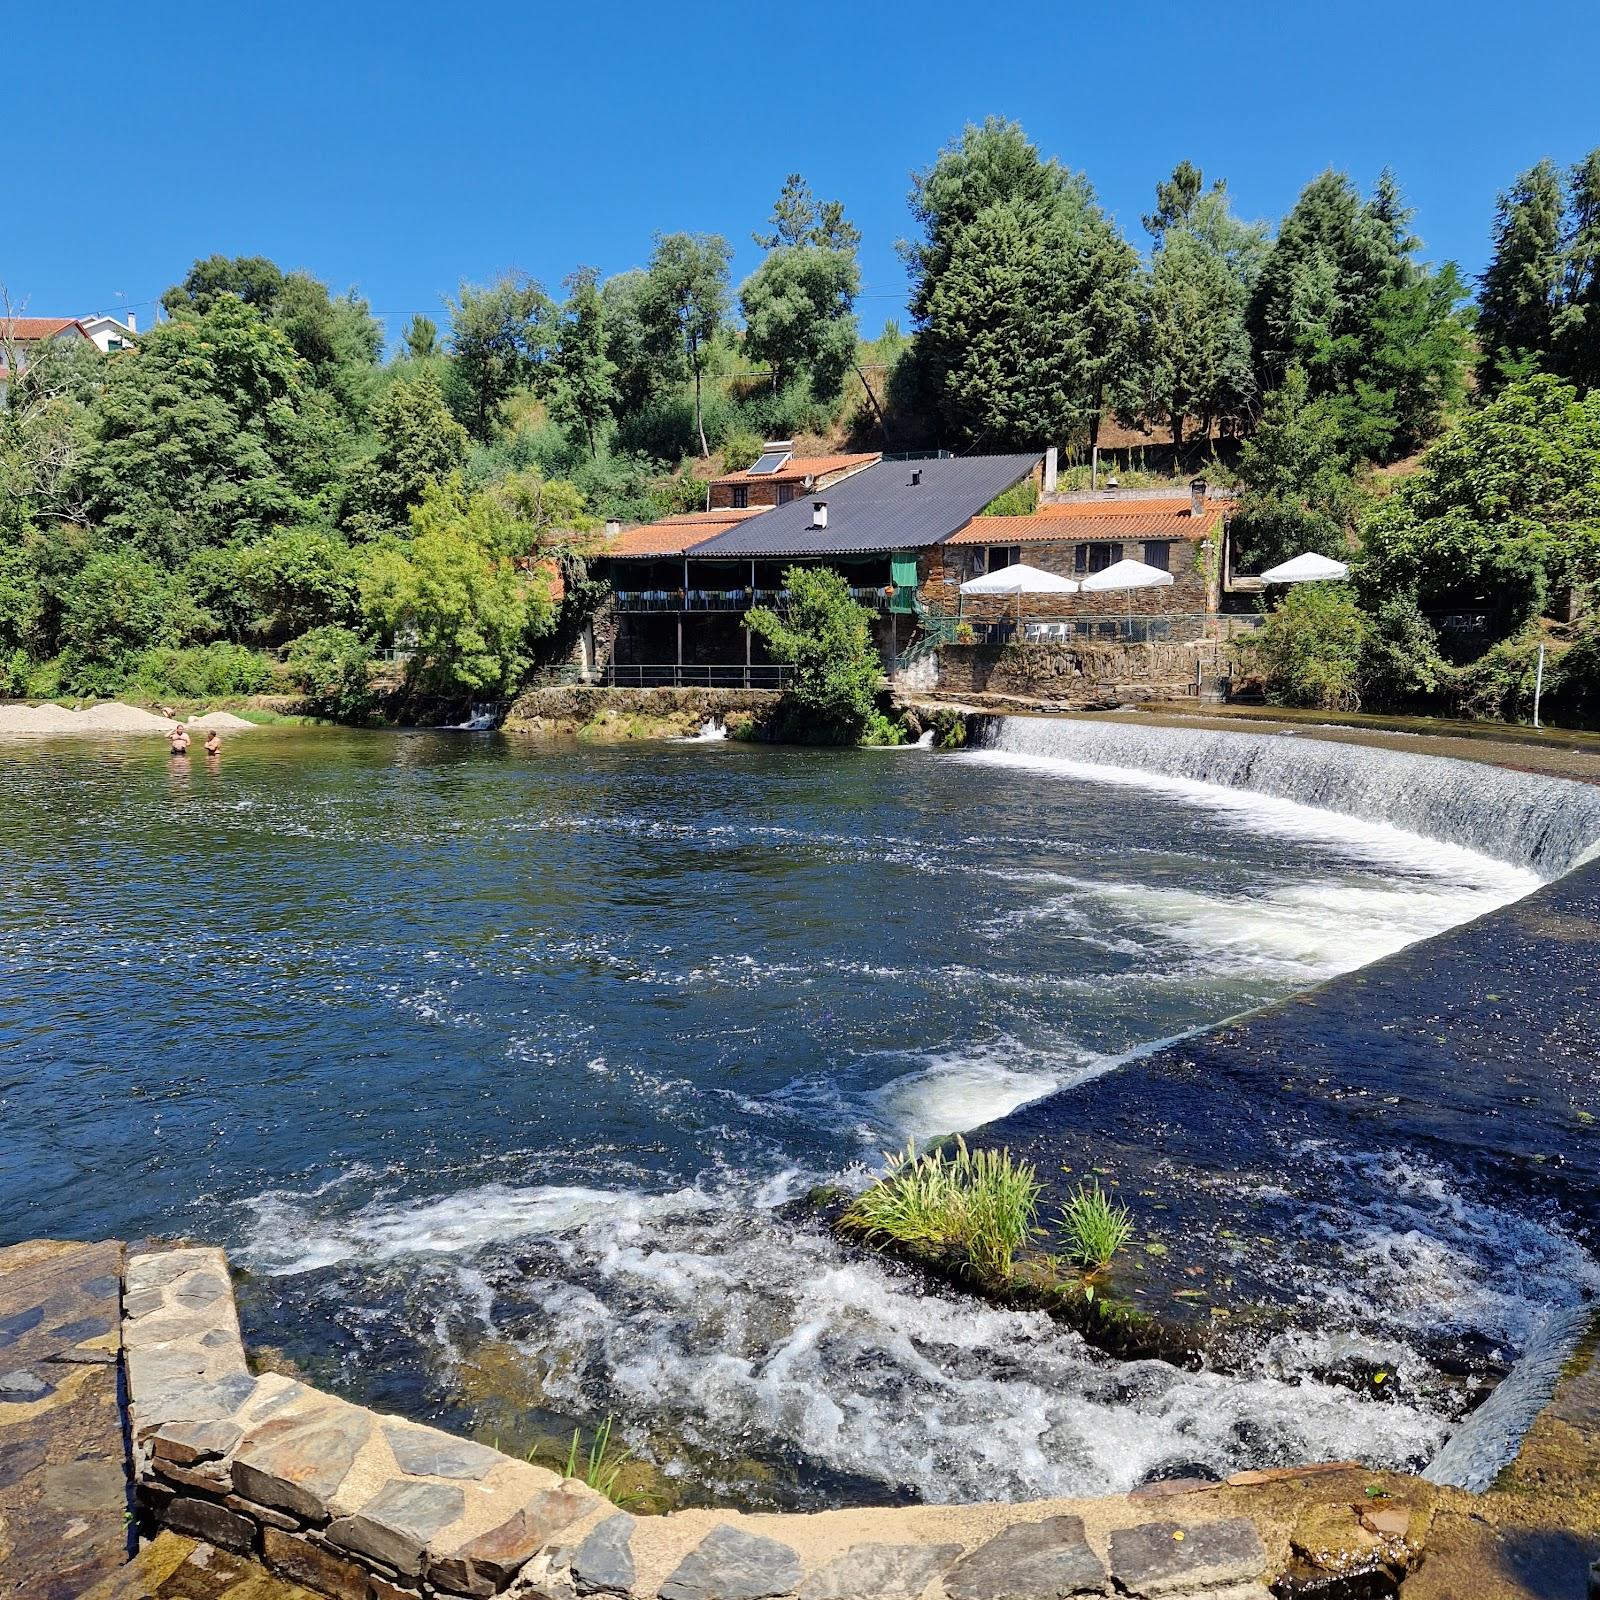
{"points": [[903, 575]]}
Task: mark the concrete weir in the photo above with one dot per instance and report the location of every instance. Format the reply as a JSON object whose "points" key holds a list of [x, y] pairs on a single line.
{"points": [[231, 1472]]}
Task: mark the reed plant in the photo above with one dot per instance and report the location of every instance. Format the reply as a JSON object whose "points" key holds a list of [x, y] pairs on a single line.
{"points": [[977, 1204], [1096, 1227], [600, 1466]]}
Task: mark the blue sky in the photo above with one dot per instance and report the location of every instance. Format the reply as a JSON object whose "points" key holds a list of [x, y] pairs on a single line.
{"points": [[402, 148]]}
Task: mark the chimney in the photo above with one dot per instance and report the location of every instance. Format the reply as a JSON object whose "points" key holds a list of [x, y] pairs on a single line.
{"points": [[819, 513], [1197, 498], [916, 477], [613, 527], [1051, 467], [133, 323]]}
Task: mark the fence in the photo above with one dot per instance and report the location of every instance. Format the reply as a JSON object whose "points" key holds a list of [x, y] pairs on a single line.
{"points": [[1103, 630], [636, 600], [626, 675]]}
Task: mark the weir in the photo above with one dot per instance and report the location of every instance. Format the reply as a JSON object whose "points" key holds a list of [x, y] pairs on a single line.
{"points": [[1545, 824]]}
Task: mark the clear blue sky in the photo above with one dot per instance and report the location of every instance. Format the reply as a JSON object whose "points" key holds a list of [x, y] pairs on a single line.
{"points": [[402, 148]]}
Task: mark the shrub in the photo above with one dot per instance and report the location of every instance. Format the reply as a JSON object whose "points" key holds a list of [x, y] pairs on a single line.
{"points": [[1400, 659], [333, 668], [1308, 652], [740, 450], [882, 730], [1020, 500], [976, 1204], [1499, 684], [1096, 1227], [202, 672], [1575, 697]]}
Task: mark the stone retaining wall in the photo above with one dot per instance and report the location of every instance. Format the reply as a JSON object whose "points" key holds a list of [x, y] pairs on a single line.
{"points": [[652, 712], [360, 1506], [1084, 673]]}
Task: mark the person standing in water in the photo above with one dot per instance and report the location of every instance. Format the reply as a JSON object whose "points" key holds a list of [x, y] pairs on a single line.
{"points": [[179, 740], [213, 744]]}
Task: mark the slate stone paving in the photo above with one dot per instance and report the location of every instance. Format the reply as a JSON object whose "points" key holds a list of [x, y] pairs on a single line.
{"points": [[64, 1493], [1030, 1561]]}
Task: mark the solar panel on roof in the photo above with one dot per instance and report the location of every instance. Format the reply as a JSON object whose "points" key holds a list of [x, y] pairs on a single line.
{"points": [[770, 462]]}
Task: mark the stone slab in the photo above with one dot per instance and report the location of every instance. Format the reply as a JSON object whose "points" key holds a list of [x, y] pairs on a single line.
{"points": [[730, 1564], [318, 1569], [296, 1461], [879, 1572], [427, 1452], [205, 1519], [1043, 1560], [1171, 1558], [488, 1561], [603, 1562], [64, 1491], [395, 1525]]}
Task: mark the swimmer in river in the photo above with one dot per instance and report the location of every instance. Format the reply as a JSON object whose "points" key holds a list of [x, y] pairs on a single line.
{"points": [[213, 743], [179, 740]]}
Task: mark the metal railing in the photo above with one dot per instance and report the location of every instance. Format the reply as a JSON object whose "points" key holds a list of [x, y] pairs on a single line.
{"points": [[1125, 630], [669, 675], [672, 600]]}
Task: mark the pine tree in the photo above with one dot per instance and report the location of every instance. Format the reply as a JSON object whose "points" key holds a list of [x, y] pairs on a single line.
{"points": [[1517, 294], [585, 378], [1576, 328]]}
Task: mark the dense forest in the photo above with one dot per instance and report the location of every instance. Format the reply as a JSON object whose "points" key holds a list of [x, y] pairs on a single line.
{"points": [[260, 494]]}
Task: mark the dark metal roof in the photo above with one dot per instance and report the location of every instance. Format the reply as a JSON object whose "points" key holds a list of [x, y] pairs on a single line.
{"points": [[878, 509]]}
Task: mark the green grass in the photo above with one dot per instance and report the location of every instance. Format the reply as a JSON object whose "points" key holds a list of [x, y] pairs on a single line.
{"points": [[979, 1204], [600, 1466], [1096, 1227]]}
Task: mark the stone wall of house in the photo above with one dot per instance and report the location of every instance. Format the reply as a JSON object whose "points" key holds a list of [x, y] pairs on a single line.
{"points": [[1072, 673], [942, 569]]}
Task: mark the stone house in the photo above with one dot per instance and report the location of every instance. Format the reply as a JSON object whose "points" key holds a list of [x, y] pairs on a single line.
{"points": [[779, 476]]}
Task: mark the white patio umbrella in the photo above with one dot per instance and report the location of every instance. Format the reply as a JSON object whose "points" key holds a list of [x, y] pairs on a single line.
{"points": [[1128, 575], [1019, 579], [1309, 568]]}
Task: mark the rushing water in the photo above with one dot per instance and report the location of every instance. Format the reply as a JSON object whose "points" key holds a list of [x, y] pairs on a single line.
{"points": [[501, 1069]]}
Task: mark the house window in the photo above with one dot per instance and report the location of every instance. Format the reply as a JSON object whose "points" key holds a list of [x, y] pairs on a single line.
{"points": [[1003, 555], [1096, 557], [741, 496], [1158, 554], [785, 493]]}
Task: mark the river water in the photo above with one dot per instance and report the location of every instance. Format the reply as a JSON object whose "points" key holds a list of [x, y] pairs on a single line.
{"points": [[501, 1071]]}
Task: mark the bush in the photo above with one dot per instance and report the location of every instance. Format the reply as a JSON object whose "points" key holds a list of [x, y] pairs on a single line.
{"points": [[1575, 697], [827, 638], [975, 1204], [202, 672], [1400, 660], [1309, 650], [882, 730], [1499, 684], [740, 450], [333, 668]]}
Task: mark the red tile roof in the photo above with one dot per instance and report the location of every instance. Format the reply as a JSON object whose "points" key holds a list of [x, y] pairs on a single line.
{"points": [[1097, 519], [799, 468], [25, 330], [671, 536]]}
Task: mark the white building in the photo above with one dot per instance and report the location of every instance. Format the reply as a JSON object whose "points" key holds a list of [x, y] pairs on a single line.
{"points": [[108, 334]]}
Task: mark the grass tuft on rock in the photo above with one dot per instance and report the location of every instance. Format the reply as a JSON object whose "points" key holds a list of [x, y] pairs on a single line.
{"points": [[973, 1204], [1096, 1227]]}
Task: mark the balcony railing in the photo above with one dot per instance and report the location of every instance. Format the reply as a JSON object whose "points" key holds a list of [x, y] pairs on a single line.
{"points": [[1127, 630], [680, 600]]}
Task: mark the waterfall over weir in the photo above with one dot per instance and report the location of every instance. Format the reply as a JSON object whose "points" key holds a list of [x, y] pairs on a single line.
{"points": [[1545, 824]]}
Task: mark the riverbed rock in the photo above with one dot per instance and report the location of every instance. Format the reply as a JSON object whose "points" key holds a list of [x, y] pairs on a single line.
{"points": [[879, 1572], [603, 1563], [730, 1564], [1170, 1558], [1043, 1560]]}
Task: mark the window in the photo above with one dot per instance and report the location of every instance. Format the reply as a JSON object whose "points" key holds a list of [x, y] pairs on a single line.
{"points": [[785, 493], [1004, 555], [1158, 554], [741, 496], [1102, 556]]}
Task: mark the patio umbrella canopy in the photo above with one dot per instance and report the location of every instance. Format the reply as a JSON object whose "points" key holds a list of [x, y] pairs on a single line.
{"points": [[1126, 575], [1020, 579], [1309, 568]]}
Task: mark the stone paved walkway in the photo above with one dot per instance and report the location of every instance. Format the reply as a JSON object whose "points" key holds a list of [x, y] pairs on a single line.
{"points": [[64, 1500]]}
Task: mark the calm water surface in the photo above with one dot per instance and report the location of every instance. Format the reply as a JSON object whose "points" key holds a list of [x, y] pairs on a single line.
{"points": [[500, 1069]]}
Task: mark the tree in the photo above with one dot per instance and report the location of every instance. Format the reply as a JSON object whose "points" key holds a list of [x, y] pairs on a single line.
{"points": [[334, 668], [1308, 652], [1175, 199], [1297, 490], [799, 219], [207, 434], [799, 313], [644, 360], [686, 300], [454, 586], [421, 337], [1504, 508], [296, 579], [252, 279], [118, 604], [1517, 294], [827, 638], [1576, 327], [46, 432], [338, 338], [500, 335], [585, 377]]}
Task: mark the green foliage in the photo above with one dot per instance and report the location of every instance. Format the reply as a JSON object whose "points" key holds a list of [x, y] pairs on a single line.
{"points": [[421, 337], [977, 1205], [1517, 297], [683, 302], [585, 376], [740, 450], [1503, 509], [1499, 683], [1297, 490], [418, 442], [1401, 667], [500, 335], [117, 605], [252, 279], [453, 594], [1573, 688], [200, 672], [294, 580], [827, 638], [1020, 500], [800, 220], [1096, 1227], [207, 434], [882, 730], [1308, 652], [333, 668], [800, 319]]}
